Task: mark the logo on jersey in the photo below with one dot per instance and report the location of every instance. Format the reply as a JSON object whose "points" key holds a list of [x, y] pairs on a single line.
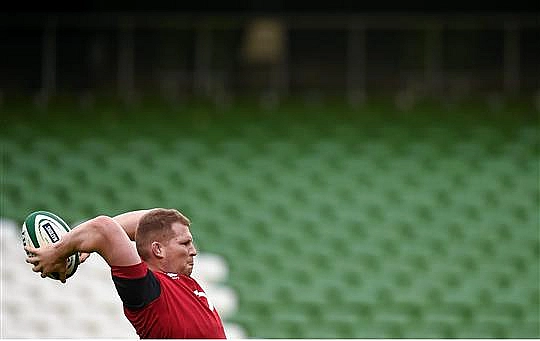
{"points": [[203, 294], [173, 275]]}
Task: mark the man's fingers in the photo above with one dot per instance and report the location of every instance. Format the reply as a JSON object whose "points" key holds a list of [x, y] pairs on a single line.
{"points": [[62, 276], [30, 249], [83, 256], [44, 267]]}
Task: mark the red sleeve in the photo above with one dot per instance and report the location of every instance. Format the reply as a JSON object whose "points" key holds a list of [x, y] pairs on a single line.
{"points": [[130, 271], [136, 285]]}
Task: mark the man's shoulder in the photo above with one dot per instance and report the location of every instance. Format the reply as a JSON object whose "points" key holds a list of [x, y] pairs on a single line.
{"points": [[130, 271]]}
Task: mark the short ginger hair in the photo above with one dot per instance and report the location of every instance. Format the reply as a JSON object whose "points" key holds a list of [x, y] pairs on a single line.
{"points": [[156, 225]]}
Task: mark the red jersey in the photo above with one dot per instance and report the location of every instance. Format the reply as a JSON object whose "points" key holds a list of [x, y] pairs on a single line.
{"points": [[166, 305]]}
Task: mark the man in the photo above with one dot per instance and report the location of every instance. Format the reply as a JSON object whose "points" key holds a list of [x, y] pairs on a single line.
{"points": [[152, 277]]}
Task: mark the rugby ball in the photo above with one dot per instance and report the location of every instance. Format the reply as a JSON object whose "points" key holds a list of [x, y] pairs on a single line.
{"points": [[42, 227]]}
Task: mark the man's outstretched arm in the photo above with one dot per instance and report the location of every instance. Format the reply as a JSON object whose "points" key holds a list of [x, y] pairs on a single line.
{"points": [[109, 237]]}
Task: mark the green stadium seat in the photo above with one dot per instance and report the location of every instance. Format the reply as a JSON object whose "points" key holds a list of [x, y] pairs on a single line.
{"points": [[398, 229]]}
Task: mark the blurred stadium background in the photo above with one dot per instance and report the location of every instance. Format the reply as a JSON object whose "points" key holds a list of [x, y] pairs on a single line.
{"points": [[347, 175]]}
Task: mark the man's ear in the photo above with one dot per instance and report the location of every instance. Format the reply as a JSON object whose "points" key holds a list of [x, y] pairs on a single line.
{"points": [[158, 250]]}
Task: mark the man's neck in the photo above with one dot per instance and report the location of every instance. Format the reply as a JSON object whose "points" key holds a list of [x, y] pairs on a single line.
{"points": [[154, 267]]}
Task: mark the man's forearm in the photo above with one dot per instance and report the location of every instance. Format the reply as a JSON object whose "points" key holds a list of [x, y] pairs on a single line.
{"points": [[83, 238], [105, 236]]}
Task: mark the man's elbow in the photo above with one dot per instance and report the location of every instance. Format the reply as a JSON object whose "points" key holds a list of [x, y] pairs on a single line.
{"points": [[103, 227], [101, 222], [108, 238]]}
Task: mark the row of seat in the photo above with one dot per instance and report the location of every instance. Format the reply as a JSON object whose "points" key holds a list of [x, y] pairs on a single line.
{"points": [[368, 228]]}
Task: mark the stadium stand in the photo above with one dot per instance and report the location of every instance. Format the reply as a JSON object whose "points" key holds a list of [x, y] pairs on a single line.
{"points": [[316, 228]]}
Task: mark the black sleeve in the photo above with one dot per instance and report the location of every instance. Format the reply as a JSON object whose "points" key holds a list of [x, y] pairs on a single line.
{"points": [[137, 293]]}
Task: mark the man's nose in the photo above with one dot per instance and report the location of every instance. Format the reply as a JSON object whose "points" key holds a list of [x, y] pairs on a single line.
{"points": [[193, 250]]}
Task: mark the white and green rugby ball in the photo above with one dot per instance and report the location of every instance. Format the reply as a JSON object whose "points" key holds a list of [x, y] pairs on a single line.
{"points": [[42, 227]]}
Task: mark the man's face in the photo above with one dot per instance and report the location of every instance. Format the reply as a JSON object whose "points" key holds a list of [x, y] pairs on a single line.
{"points": [[180, 251]]}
